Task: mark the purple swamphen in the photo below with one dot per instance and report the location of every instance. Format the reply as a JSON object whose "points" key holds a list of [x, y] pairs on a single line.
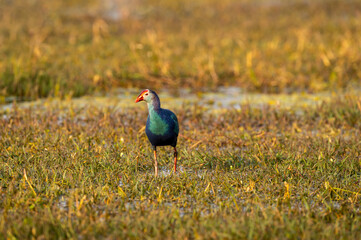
{"points": [[162, 125]]}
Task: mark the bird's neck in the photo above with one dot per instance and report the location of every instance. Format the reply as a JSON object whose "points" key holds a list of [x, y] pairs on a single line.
{"points": [[153, 106]]}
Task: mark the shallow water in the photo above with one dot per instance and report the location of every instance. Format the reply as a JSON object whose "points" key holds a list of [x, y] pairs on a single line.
{"points": [[224, 98]]}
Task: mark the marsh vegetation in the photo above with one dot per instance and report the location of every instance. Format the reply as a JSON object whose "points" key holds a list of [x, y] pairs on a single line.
{"points": [[278, 159]]}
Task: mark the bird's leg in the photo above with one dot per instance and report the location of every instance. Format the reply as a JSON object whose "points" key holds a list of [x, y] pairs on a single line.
{"points": [[155, 162], [175, 159]]}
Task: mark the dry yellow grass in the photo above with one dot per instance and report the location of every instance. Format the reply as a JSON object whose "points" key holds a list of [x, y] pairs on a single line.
{"points": [[78, 47]]}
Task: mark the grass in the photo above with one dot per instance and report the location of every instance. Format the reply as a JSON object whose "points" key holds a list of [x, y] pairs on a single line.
{"points": [[73, 48], [70, 171]]}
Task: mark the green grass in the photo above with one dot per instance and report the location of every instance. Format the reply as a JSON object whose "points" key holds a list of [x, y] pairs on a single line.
{"points": [[255, 173], [73, 48]]}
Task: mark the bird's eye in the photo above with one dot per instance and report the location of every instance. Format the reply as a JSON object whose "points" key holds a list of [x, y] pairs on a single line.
{"points": [[146, 94]]}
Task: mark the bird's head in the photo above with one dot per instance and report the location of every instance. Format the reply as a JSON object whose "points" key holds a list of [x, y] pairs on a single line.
{"points": [[146, 95]]}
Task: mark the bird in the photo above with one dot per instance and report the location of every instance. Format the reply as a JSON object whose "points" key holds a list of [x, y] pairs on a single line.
{"points": [[162, 126]]}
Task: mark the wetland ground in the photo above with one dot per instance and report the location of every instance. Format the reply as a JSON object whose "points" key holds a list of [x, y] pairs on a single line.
{"points": [[267, 94], [83, 168]]}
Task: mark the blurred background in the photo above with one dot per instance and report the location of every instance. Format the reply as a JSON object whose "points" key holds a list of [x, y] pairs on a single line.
{"points": [[81, 47]]}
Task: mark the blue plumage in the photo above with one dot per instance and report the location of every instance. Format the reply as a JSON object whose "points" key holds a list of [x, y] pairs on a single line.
{"points": [[170, 134]]}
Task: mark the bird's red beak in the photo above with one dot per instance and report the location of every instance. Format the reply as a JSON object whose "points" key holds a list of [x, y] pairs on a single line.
{"points": [[140, 97]]}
